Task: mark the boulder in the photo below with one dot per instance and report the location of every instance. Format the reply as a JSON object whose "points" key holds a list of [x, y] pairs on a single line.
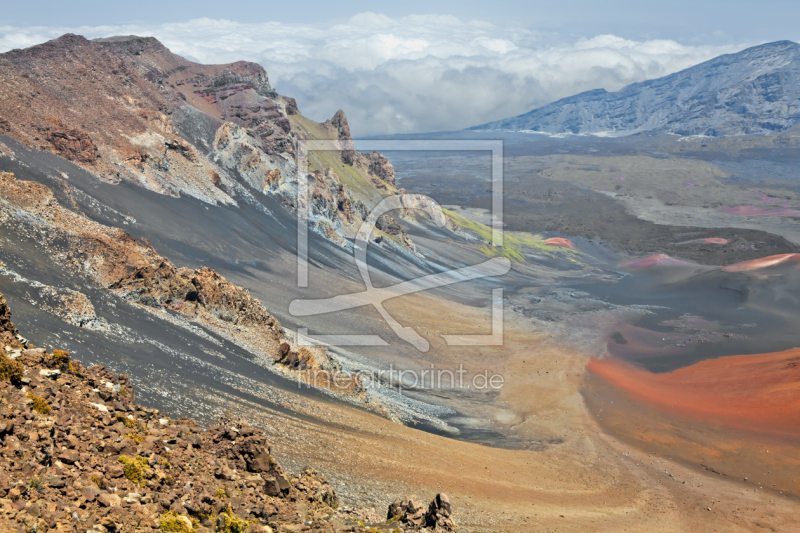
{"points": [[438, 516], [407, 510], [194, 440], [69, 457], [109, 500], [255, 450]]}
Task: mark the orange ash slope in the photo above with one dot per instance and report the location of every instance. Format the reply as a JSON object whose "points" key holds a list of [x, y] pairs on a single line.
{"points": [[561, 242], [756, 392], [764, 262]]}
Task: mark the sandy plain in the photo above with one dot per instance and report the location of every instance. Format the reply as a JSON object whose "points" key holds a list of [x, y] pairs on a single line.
{"points": [[583, 469]]}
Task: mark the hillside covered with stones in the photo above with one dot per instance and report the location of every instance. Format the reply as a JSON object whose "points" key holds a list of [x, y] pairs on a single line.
{"points": [[80, 455]]}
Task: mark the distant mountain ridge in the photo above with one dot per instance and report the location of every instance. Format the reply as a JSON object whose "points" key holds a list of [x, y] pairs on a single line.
{"points": [[755, 91]]}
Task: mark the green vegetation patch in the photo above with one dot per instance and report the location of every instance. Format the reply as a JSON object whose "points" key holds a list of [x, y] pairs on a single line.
{"points": [[513, 242], [40, 405], [228, 523], [175, 523], [10, 370], [135, 468]]}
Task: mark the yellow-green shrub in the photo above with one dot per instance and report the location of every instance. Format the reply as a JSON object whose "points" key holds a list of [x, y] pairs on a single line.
{"points": [[40, 405], [228, 523], [175, 523], [10, 370], [135, 468], [61, 357]]}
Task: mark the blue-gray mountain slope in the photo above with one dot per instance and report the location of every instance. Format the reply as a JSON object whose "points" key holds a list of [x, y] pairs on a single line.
{"points": [[754, 91]]}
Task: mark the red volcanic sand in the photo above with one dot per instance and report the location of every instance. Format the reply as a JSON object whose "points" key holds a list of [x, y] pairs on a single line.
{"points": [[764, 262], [655, 260], [558, 241], [751, 211], [756, 392], [714, 240]]}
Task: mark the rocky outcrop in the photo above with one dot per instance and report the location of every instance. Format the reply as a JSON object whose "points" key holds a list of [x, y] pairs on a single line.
{"points": [[195, 292], [755, 91], [302, 359], [333, 203], [412, 513], [438, 517], [339, 123], [212, 132], [407, 510], [379, 166], [291, 106], [78, 454], [75, 145], [240, 152], [8, 332]]}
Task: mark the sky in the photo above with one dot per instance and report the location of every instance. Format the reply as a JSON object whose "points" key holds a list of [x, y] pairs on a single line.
{"points": [[416, 66]]}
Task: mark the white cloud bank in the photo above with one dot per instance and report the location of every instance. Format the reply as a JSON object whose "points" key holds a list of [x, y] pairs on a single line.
{"points": [[410, 74]]}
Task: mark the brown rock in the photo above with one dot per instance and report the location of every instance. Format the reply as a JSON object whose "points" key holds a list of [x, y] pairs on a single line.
{"points": [[75, 145], [438, 516], [255, 450], [115, 471], [378, 165], [91, 493], [69, 457], [109, 500], [316, 488], [224, 473], [291, 106], [339, 123], [8, 332], [109, 523], [300, 360], [408, 510]]}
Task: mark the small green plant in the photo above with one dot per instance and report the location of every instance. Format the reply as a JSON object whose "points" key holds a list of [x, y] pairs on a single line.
{"points": [[175, 523], [223, 492], [61, 358], [227, 522], [74, 369], [135, 468], [128, 422], [138, 438], [123, 392], [10, 370], [37, 484], [163, 461], [140, 432], [40, 405], [101, 483]]}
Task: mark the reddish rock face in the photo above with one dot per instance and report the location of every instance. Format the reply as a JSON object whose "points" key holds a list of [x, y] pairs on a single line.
{"points": [[75, 145], [193, 292]]}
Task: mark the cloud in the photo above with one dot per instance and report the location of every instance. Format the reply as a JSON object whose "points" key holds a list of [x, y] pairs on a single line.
{"points": [[413, 73]]}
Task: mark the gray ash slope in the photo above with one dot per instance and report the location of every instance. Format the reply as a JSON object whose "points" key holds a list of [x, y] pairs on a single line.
{"points": [[755, 91]]}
